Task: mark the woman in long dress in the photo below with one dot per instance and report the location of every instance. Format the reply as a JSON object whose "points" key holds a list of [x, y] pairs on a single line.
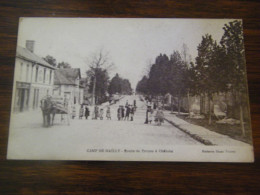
{"points": [[86, 112], [159, 117], [108, 114]]}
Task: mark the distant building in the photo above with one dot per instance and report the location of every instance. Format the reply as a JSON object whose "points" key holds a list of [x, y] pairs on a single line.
{"points": [[67, 85], [33, 78]]}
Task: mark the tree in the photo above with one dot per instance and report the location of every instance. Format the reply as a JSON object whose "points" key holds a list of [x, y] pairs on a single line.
{"points": [[115, 86], [233, 44], [157, 82], [51, 60], [99, 64], [100, 87], [126, 87], [142, 86], [176, 77], [119, 85], [64, 65], [206, 71], [186, 58]]}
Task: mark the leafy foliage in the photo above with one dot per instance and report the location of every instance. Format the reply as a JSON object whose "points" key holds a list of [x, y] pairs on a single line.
{"points": [[51, 60], [119, 85], [64, 65]]}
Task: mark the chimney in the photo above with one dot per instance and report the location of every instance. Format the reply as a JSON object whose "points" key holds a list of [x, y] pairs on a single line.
{"points": [[30, 45]]}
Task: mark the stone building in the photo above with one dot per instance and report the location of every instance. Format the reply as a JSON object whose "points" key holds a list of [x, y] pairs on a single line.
{"points": [[33, 78]]}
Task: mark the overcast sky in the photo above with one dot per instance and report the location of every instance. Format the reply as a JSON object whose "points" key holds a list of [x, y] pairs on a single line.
{"points": [[131, 43]]}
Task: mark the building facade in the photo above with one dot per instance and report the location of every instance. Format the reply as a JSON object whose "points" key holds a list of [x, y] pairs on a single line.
{"points": [[33, 79], [67, 85]]}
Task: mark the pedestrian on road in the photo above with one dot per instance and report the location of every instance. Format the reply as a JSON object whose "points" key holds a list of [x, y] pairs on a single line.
{"points": [[132, 113], [73, 114], [123, 112], [81, 112], [150, 116], [108, 114], [86, 112], [95, 113], [159, 117], [101, 114], [119, 113], [147, 113], [127, 113], [134, 107]]}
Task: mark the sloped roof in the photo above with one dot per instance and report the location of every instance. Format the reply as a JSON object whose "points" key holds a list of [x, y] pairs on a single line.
{"points": [[25, 54], [66, 76]]}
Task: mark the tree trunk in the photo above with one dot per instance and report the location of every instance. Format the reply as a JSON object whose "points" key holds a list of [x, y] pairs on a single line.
{"points": [[188, 97], [209, 104], [93, 91], [201, 104], [242, 120]]}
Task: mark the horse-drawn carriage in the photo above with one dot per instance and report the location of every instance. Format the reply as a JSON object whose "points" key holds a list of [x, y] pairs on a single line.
{"points": [[51, 106]]}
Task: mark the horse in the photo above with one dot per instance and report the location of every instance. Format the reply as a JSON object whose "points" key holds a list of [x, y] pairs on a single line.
{"points": [[50, 108], [48, 111]]}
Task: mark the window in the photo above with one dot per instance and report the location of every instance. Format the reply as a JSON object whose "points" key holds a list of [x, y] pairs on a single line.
{"points": [[27, 72], [36, 74], [44, 75], [21, 74], [50, 76]]}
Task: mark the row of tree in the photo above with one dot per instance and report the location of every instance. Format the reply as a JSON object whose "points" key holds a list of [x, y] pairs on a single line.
{"points": [[219, 67], [120, 86], [97, 81], [100, 86]]}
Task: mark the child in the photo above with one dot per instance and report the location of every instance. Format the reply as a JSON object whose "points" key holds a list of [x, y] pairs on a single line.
{"points": [[101, 114], [108, 114]]}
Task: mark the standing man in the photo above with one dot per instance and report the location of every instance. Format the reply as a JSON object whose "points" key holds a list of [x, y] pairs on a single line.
{"points": [[147, 114], [127, 112]]}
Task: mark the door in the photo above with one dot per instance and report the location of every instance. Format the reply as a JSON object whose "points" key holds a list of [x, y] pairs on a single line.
{"points": [[22, 92]]}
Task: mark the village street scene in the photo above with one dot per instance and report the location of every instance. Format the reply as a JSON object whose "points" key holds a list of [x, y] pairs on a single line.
{"points": [[178, 99]]}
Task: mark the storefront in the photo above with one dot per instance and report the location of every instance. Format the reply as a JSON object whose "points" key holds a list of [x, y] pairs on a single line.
{"points": [[22, 96]]}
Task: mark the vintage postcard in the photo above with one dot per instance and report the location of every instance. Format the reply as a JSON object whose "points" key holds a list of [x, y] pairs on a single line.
{"points": [[130, 90]]}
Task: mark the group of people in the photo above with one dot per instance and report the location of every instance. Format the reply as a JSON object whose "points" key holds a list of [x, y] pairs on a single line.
{"points": [[125, 113], [96, 114], [154, 114]]}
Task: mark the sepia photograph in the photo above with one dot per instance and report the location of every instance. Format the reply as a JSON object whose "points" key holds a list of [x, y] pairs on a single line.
{"points": [[130, 89]]}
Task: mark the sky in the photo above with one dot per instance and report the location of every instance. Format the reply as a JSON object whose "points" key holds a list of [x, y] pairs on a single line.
{"points": [[130, 43]]}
